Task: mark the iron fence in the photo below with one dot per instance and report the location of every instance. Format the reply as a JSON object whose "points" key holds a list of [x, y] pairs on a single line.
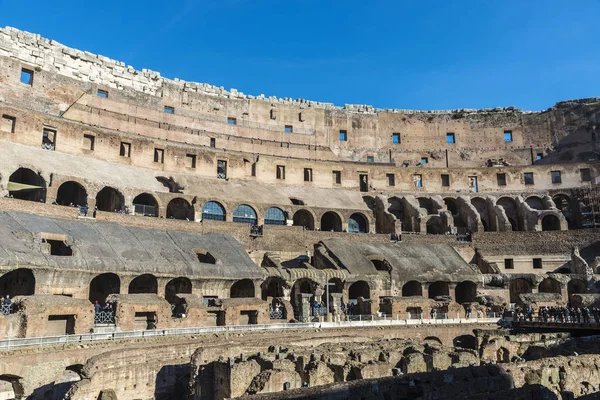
{"points": [[104, 317]]}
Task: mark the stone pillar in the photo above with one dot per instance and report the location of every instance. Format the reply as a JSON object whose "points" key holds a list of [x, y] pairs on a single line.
{"points": [[336, 303], [305, 306]]}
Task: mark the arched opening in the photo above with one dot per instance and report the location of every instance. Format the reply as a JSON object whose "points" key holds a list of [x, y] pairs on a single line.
{"points": [[502, 355], [511, 210], [110, 200], [71, 193], [302, 286], [576, 286], [517, 287], [427, 203], [335, 286], [272, 287], [104, 285], [451, 205], [563, 203], [435, 225], [304, 218], [61, 386], [381, 265], [412, 288], [331, 222], [536, 203], [397, 208], [438, 289], [549, 285], [181, 285], [482, 209], [359, 289], [242, 288], [145, 204], [433, 339], [358, 223], [275, 216], [25, 184], [213, 211], [180, 208], [244, 214], [465, 292], [550, 223], [13, 388], [465, 342], [19, 282], [146, 283]]}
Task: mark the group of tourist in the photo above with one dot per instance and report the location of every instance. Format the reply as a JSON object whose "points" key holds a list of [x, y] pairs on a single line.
{"points": [[558, 314], [108, 306], [6, 305]]}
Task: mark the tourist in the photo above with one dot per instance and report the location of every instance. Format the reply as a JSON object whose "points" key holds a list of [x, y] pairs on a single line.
{"points": [[85, 210], [95, 211], [97, 307]]}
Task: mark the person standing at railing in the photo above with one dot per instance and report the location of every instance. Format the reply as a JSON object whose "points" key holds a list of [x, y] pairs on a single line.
{"points": [[97, 307], [6, 303]]}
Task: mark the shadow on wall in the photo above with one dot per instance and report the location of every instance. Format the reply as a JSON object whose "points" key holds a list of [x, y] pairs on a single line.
{"points": [[172, 382]]}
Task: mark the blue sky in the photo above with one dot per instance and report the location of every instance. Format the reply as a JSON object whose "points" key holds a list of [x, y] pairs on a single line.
{"points": [[427, 54]]}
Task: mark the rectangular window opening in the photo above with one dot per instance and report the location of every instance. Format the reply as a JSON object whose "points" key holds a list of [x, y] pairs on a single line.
{"points": [[445, 180], [308, 177], [418, 180], [395, 138], [125, 149], [424, 160], [190, 160], [586, 175], [370, 159], [537, 263], [213, 142], [556, 178], [391, 179], [288, 129], [337, 177], [49, 139], [528, 178], [343, 136], [221, 169], [27, 76], [8, 124], [102, 93], [58, 248], [501, 179], [508, 136], [450, 138], [232, 121], [169, 110], [539, 156], [363, 182], [159, 156], [509, 263], [253, 170], [88, 142], [280, 172]]}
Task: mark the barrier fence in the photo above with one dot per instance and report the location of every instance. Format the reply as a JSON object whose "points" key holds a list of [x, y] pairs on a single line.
{"points": [[19, 343]]}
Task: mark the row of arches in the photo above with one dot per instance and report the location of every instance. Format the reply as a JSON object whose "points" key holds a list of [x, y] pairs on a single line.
{"points": [[520, 286], [464, 292]]}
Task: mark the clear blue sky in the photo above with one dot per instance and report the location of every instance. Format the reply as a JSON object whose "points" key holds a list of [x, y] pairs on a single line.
{"points": [[426, 54]]}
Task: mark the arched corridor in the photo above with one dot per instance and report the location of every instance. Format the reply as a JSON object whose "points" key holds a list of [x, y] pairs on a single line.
{"points": [[550, 223], [412, 288], [272, 287], [358, 223], [304, 218], [181, 285], [331, 222], [103, 285], [359, 289], [180, 208], [242, 288], [511, 210], [146, 283], [25, 184], [110, 200], [536, 203], [438, 289], [18, 282], [483, 211], [465, 292], [71, 193], [549, 285], [518, 286], [145, 204]]}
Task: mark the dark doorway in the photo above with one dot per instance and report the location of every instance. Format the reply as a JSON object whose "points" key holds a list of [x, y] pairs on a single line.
{"points": [[19, 282], [179, 208], [144, 284], [242, 288], [304, 218], [103, 285], [71, 194], [110, 200], [145, 204], [331, 222], [25, 184]]}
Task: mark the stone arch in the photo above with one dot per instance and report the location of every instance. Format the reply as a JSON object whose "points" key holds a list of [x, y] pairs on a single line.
{"points": [[245, 214], [16, 383], [433, 339], [304, 218], [103, 285], [412, 288], [358, 223], [550, 222], [275, 216], [336, 286], [213, 210], [502, 355], [71, 375], [465, 342], [18, 282], [465, 292], [242, 288], [396, 208], [452, 206], [511, 210], [565, 205], [438, 288], [273, 286], [71, 193], [110, 199], [25, 184], [302, 286], [536, 202], [518, 286], [550, 285], [180, 285], [427, 203], [482, 209], [331, 221], [576, 286], [180, 208], [146, 283], [359, 289], [145, 204]]}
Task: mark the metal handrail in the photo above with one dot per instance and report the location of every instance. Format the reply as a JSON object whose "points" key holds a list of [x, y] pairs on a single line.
{"points": [[18, 343]]}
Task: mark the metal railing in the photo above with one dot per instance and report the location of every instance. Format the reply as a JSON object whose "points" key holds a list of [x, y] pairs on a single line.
{"points": [[104, 317], [6, 309], [18, 343]]}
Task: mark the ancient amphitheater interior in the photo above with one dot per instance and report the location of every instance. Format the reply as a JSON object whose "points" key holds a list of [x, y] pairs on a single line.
{"points": [[165, 239]]}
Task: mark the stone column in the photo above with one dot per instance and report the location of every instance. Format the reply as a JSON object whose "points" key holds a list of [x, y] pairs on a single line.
{"points": [[305, 307], [336, 299]]}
